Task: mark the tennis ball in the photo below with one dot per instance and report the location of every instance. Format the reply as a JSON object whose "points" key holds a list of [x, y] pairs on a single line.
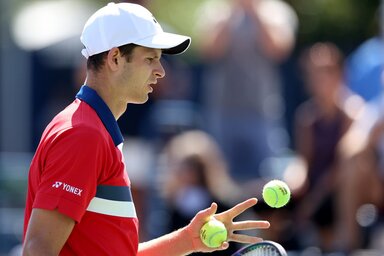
{"points": [[276, 193], [213, 233]]}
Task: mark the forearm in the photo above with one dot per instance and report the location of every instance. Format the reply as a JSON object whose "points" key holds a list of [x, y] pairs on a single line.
{"points": [[176, 243], [187, 240]]}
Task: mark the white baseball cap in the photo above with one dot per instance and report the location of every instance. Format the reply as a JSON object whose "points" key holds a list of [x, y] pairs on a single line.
{"points": [[118, 24]]}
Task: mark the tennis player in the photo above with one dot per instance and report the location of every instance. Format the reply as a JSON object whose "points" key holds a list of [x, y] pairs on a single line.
{"points": [[79, 200]]}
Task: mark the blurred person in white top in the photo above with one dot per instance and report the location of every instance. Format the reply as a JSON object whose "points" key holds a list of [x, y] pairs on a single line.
{"points": [[243, 42]]}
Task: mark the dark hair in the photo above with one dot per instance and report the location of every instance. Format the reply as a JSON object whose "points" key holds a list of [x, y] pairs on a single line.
{"points": [[95, 62]]}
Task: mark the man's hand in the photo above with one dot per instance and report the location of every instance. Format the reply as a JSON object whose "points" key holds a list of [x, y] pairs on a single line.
{"points": [[227, 218]]}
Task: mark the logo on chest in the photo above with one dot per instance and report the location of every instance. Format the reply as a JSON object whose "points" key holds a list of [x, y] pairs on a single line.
{"points": [[68, 188]]}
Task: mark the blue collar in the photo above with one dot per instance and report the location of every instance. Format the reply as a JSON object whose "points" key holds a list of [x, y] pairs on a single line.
{"points": [[91, 97]]}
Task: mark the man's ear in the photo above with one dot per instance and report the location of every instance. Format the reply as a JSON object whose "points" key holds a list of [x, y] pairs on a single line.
{"points": [[113, 58]]}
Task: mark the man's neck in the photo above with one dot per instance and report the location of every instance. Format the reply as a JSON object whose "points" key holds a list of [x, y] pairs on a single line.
{"points": [[101, 85]]}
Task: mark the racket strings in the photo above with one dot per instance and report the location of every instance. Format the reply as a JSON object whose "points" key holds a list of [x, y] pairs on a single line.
{"points": [[262, 250]]}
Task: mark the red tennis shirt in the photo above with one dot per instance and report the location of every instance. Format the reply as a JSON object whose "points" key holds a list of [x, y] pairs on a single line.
{"points": [[79, 169]]}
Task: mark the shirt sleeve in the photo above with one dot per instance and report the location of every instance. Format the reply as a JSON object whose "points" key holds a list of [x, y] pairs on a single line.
{"points": [[71, 166]]}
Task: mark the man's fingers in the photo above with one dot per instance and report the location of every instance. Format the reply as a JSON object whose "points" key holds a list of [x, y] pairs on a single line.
{"points": [[245, 239], [250, 224], [207, 213], [240, 208], [223, 246]]}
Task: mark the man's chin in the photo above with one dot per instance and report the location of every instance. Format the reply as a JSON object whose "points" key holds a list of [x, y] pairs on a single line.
{"points": [[141, 101]]}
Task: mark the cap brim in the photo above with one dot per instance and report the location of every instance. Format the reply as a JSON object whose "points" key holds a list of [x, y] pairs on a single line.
{"points": [[168, 42]]}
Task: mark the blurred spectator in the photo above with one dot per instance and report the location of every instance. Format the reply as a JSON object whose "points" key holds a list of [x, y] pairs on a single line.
{"points": [[243, 45], [362, 174], [320, 123], [193, 174]]}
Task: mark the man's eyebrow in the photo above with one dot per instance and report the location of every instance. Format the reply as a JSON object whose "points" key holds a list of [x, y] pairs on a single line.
{"points": [[154, 52]]}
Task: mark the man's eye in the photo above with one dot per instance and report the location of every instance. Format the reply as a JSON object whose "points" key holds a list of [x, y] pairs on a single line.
{"points": [[150, 60]]}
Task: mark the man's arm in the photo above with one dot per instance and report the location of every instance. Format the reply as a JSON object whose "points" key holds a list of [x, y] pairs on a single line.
{"points": [[47, 232], [187, 240]]}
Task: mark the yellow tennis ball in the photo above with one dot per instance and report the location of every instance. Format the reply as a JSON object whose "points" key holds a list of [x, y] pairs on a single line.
{"points": [[213, 233], [276, 193]]}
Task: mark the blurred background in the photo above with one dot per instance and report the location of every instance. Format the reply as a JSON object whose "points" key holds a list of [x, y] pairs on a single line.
{"points": [[269, 89]]}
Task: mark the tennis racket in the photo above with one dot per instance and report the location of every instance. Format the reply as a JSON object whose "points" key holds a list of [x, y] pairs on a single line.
{"points": [[264, 248]]}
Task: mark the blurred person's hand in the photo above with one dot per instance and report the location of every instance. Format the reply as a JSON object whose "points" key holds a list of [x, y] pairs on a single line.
{"points": [[232, 226]]}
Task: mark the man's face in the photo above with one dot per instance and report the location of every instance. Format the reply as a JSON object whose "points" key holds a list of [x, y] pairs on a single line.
{"points": [[138, 76]]}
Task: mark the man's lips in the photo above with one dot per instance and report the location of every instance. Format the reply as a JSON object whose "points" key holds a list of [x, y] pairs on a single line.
{"points": [[150, 85], [150, 88]]}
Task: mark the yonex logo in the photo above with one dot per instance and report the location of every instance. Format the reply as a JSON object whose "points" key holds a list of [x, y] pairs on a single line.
{"points": [[57, 184], [68, 188]]}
